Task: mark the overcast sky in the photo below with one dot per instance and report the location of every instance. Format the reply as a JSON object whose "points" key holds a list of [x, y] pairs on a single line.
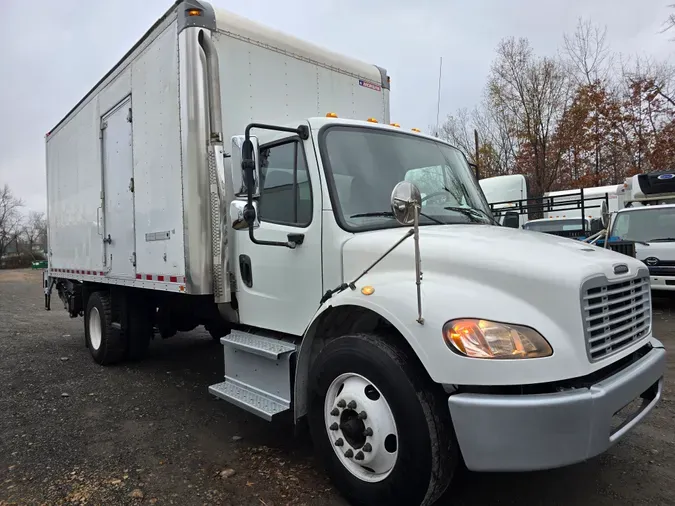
{"points": [[53, 52]]}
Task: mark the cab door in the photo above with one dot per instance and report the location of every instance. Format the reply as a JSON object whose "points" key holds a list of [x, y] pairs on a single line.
{"points": [[279, 288]]}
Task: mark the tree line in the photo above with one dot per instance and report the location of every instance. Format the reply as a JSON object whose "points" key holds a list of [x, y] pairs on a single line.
{"points": [[585, 117], [23, 237]]}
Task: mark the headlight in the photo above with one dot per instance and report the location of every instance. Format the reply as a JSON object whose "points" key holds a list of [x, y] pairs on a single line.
{"points": [[485, 339]]}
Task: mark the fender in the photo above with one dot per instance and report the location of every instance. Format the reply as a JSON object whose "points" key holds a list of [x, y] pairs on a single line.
{"points": [[446, 297]]}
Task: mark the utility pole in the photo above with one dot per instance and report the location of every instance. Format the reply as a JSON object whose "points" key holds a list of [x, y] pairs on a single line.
{"points": [[475, 138]]}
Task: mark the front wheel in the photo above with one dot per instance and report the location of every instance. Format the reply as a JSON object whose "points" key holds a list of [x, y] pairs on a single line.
{"points": [[380, 426]]}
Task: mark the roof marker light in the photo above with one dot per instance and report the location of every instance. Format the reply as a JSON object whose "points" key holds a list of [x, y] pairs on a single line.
{"points": [[397, 125], [194, 12], [331, 115], [371, 120], [417, 130]]}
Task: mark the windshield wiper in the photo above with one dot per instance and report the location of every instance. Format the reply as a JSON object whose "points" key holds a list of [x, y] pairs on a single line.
{"points": [[389, 214], [471, 212], [662, 239]]}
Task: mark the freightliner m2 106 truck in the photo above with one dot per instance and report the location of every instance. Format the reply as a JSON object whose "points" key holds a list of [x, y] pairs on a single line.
{"points": [[351, 269]]}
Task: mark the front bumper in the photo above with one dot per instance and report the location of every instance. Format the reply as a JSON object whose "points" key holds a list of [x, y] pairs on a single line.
{"points": [[662, 283], [544, 431]]}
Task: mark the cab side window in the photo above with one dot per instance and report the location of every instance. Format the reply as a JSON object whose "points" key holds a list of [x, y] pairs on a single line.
{"points": [[286, 194]]}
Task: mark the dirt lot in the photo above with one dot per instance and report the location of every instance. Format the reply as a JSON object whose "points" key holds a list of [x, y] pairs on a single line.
{"points": [[72, 432]]}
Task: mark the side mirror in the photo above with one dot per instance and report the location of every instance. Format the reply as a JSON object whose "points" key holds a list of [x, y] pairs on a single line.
{"points": [[597, 225], [511, 219], [604, 215], [238, 174], [405, 200]]}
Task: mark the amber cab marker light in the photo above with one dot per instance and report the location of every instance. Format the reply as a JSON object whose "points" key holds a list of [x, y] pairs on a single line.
{"points": [[331, 115], [395, 125], [416, 130], [194, 12], [371, 120], [368, 290]]}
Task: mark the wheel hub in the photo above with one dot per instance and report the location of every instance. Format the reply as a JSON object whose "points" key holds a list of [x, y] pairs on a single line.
{"points": [[353, 428], [361, 427]]}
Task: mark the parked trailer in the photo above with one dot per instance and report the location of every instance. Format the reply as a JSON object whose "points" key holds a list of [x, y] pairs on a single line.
{"points": [[187, 189]]}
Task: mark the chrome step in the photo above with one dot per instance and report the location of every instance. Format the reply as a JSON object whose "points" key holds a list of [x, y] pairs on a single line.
{"points": [[247, 398], [258, 345], [257, 373]]}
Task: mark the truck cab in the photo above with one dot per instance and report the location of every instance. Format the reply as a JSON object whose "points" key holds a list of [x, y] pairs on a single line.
{"points": [[652, 229]]}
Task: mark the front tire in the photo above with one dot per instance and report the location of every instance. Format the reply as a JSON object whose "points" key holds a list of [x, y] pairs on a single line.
{"points": [[106, 343], [380, 426]]}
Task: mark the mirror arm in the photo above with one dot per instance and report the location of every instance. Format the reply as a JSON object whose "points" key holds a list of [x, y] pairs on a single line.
{"points": [[248, 166]]}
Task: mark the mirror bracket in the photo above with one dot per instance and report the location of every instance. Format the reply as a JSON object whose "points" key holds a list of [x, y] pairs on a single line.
{"points": [[248, 166]]}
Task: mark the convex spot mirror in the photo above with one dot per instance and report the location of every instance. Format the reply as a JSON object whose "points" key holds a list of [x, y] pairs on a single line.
{"points": [[238, 174], [405, 199]]}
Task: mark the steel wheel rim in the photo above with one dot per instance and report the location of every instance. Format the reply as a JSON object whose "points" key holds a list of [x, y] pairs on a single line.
{"points": [[361, 427], [95, 334]]}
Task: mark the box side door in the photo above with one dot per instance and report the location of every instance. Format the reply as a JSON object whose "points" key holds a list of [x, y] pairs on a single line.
{"points": [[118, 188]]}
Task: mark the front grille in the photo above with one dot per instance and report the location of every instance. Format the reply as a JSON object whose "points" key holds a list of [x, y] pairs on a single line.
{"points": [[662, 271], [615, 315], [625, 247]]}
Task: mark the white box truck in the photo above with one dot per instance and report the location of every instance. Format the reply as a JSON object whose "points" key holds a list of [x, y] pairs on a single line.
{"points": [[211, 178], [648, 220]]}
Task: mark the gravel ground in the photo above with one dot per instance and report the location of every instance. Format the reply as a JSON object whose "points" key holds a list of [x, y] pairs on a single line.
{"points": [[72, 432]]}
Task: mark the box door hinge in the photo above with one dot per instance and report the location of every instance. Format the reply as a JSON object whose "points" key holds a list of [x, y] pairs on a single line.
{"points": [[104, 125], [130, 116], [132, 259], [131, 185]]}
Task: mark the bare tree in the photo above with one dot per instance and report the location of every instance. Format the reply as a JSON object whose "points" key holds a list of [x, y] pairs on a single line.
{"points": [[586, 52], [10, 219], [670, 21], [530, 95], [34, 232]]}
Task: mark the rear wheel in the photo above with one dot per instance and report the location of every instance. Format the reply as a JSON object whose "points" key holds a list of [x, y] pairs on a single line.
{"points": [[380, 426], [106, 343]]}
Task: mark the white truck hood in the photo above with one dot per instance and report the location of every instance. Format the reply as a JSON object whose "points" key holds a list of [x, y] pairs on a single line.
{"points": [[488, 254]]}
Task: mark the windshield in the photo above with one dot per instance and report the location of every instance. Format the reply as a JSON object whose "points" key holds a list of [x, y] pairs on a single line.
{"points": [[554, 225], [645, 225], [364, 164]]}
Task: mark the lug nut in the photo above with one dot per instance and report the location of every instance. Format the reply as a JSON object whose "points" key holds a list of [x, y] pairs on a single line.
{"points": [[334, 426], [352, 405], [367, 448], [341, 403], [368, 432], [349, 453], [363, 415], [339, 442], [359, 456], [335, 412]]}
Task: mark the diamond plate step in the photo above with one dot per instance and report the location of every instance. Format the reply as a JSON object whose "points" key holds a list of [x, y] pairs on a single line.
{"points": [[249, 399], [258, 345]]}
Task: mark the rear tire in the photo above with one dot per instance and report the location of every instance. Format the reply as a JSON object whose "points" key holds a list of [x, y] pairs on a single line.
{"points": [[411, 460], [106, 343]]}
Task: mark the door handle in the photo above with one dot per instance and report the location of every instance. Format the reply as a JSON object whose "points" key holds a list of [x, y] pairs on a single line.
{"points": [[296, 239]]}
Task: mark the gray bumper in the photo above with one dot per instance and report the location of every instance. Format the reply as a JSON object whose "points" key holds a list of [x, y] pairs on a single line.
{"points": [[544, 431]]}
